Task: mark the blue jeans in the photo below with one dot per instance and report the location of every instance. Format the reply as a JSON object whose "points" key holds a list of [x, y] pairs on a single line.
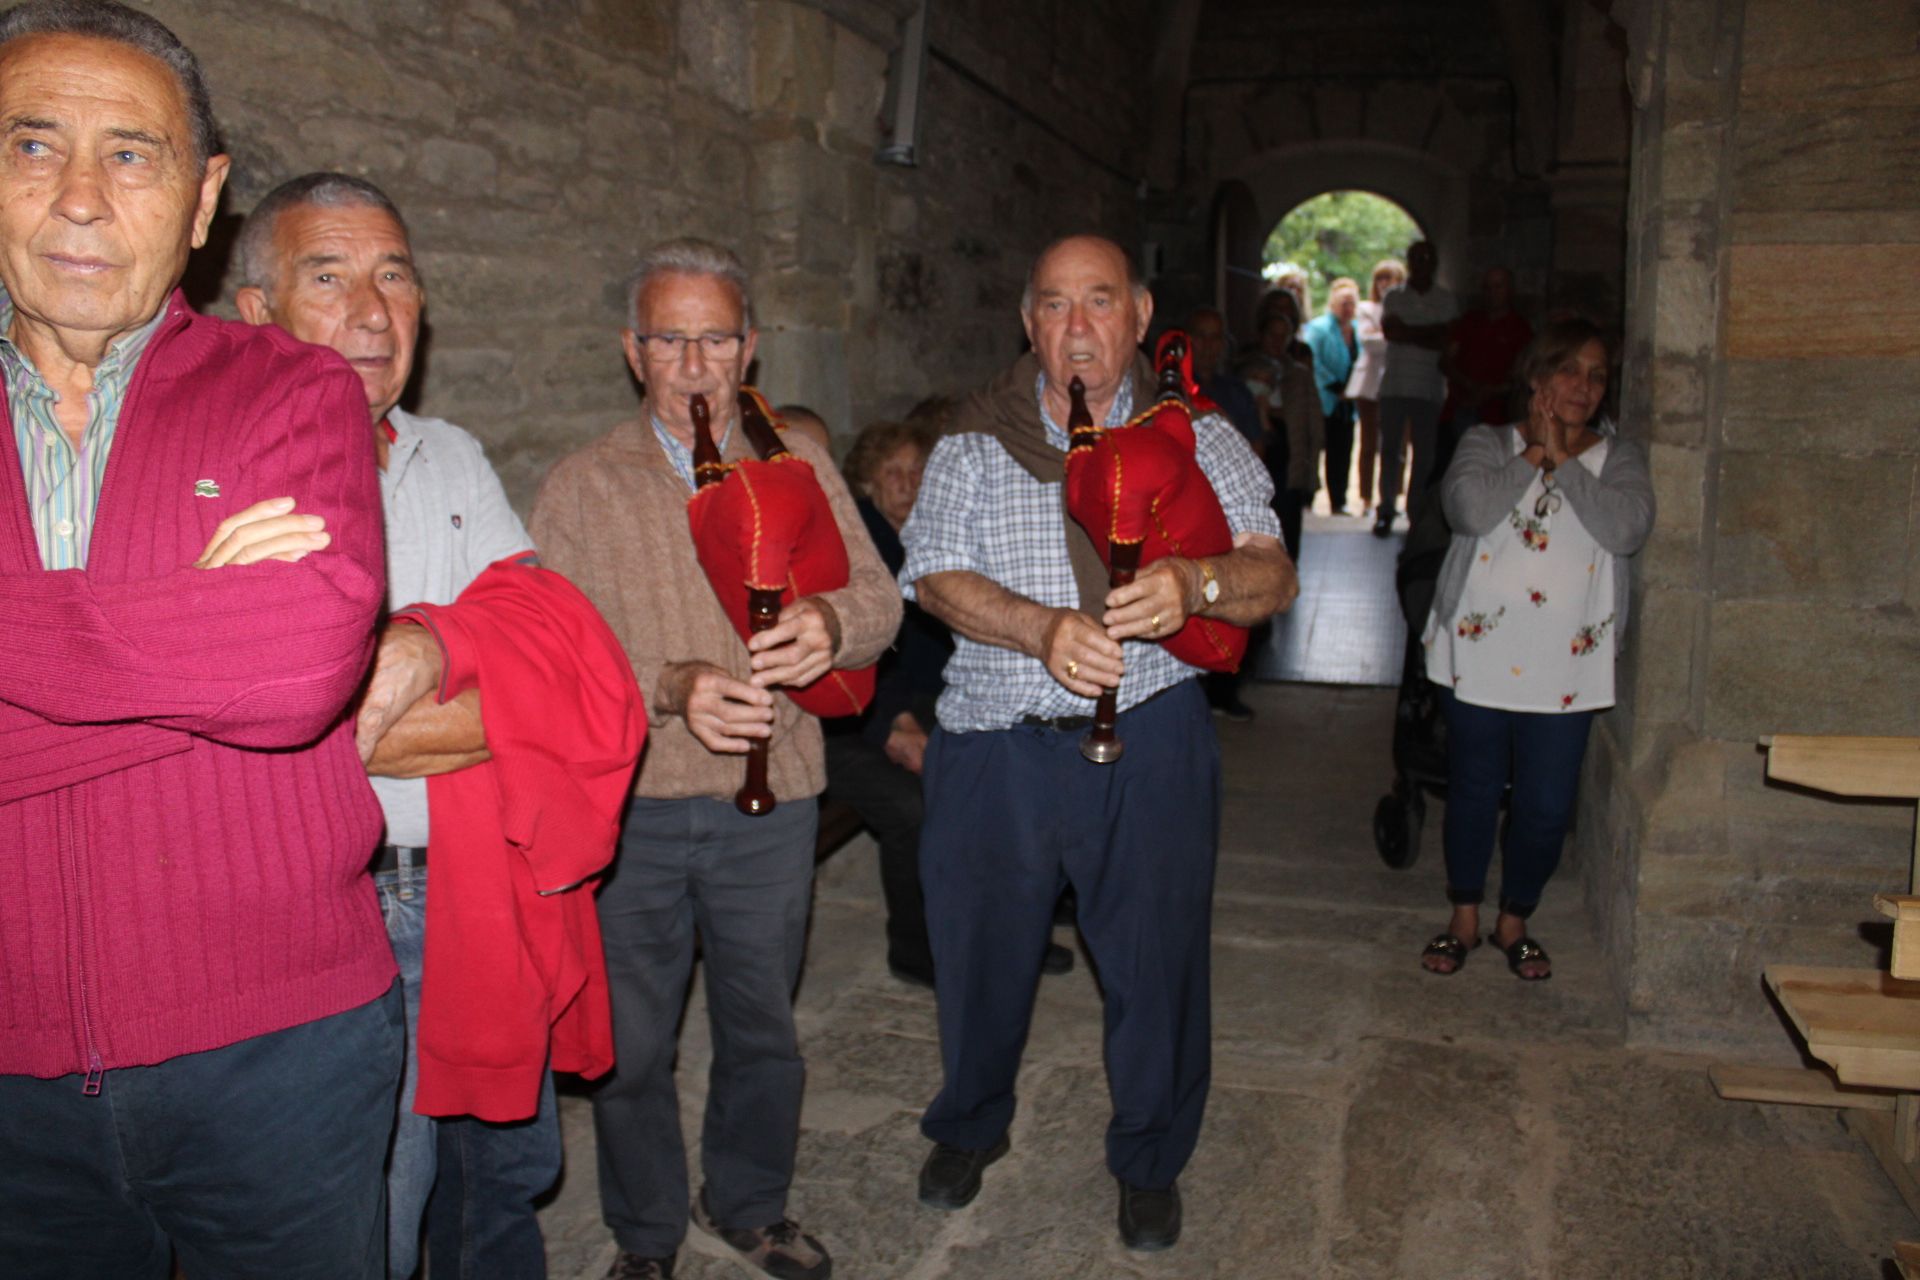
{"points": [[1541, 752], [261, 1158], [482, 1222], [745, 885]]}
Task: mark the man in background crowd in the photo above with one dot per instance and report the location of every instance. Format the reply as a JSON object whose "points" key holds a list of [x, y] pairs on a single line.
{"points": [[1212, 346], [1486, 344], [1415, 318]]}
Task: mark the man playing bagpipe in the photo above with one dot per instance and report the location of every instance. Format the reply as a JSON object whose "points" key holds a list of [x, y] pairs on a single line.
{"points": [[1016, 807], [619, 518]]}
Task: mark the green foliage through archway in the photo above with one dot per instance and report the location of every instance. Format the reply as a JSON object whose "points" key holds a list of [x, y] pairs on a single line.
{"points": [[1338, 233]]}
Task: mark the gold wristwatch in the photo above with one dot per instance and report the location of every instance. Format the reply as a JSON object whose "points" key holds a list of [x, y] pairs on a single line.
{"points": [[1210, 586]]}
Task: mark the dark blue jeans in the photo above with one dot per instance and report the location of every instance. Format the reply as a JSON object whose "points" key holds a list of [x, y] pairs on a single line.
{"points": [[1541, 752], [744, 886], [262, 1158], [1015, 816], [482, 1178]]}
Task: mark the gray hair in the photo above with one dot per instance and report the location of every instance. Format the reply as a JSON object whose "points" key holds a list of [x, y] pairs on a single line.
{"points": [[688, 256], [1134, 282], [108, 20], [253, 252]]}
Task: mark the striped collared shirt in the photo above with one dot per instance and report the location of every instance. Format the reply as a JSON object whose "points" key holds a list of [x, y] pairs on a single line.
{"points": [[980, 511], [63, 482], [678, 454]]}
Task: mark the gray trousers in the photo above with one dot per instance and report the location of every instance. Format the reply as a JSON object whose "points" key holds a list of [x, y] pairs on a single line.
{"points": [[1405, 421], [745, 885]]}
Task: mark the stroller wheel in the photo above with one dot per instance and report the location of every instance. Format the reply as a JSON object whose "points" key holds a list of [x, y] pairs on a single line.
{"points": [[1396, 826]]}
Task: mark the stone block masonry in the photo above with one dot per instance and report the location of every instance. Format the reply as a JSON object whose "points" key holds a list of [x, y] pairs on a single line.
{"points": [[1770, 361], [537, 148]]}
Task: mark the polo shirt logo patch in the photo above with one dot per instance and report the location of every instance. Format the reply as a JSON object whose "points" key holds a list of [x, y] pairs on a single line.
{"points": [[206, 489], [456, 521]]}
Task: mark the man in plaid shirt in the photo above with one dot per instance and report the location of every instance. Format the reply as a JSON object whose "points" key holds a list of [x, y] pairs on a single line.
{"points": [[1013, 812]]}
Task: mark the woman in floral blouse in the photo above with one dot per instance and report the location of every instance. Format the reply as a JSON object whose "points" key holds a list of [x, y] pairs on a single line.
{"points": [[1527, 614]]}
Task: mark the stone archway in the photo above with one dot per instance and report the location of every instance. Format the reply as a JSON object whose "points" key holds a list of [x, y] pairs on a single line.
{"points": [[1433, 192]]}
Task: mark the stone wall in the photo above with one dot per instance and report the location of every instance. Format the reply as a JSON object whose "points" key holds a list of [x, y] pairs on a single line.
{"points": [[537, 146], [1772, 368]]}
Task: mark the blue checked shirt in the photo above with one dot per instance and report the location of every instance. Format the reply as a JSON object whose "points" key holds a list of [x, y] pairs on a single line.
{"points": [[981, 512], [63, 483]]}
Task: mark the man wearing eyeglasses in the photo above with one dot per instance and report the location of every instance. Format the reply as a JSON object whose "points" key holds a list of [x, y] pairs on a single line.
{"points": [[613, 518]]}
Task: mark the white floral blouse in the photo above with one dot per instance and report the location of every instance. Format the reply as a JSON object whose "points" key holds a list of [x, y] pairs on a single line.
{"points": [[1534, 628]]}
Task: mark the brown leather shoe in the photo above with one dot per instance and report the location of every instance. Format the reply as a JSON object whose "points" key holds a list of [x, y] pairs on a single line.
{"points": [[631, 1266], [781, 1250]]}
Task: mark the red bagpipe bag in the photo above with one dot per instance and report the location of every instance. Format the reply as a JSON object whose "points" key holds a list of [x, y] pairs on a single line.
{"points": [[1141, 483], [765, 524]]}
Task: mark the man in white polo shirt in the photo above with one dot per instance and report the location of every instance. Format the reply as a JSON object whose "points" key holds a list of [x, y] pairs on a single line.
{"points": [[1415, 319], [327, 258]]}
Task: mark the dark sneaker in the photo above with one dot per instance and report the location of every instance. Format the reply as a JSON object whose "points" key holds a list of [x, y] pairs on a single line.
{"points": [[781, 1250], [950, 1178], [1149, 1220], [912, 977], [631, 1266]]}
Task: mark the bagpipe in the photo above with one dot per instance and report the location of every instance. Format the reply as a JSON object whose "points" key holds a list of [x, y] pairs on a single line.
{"points": [[765, 535], [1140, 494]]}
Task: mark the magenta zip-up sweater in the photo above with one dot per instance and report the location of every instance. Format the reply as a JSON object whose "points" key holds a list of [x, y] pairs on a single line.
{"points": [[184, 824]]}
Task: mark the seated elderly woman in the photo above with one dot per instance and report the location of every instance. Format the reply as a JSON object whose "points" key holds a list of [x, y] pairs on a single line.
{"points": [[1527, 615], [874, 760]]}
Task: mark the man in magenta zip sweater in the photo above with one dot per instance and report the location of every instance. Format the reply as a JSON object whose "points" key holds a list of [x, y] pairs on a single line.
{"points": [[199, 1030]]}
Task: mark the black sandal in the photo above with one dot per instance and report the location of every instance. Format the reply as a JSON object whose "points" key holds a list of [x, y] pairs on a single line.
{"points": [[1446, 946], [1524, 950]]}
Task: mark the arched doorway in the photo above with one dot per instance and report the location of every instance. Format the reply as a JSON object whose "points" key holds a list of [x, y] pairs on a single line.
{"points": [[1334, 235], [1347, 626], [1433, 192]]}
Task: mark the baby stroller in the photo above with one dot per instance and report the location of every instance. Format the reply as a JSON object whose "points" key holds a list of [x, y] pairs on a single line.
{"points": [[1419, 727], [1419, 724]]}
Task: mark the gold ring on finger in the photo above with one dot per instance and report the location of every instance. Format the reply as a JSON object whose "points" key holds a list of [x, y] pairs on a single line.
{"points": [[1155, 623], [1073, 669]]}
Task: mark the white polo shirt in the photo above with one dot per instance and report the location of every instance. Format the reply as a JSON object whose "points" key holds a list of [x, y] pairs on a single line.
{"points": [[1413, 371]]}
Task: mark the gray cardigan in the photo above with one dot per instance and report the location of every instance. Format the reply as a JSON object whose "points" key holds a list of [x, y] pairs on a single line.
{"points": [[1487, 479]]}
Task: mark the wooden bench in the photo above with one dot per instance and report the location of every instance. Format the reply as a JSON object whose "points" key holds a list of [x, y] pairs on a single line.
{"points": [[1864, 1024]]}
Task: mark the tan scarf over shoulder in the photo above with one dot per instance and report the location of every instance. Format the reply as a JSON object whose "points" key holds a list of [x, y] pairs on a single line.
{"points": [[1007, 410]]}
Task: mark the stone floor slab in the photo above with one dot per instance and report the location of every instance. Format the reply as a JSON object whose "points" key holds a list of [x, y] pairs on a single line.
{"points": [[1367, 1119]]}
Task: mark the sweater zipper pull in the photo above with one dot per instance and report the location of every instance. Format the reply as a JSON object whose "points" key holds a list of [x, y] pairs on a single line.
{"points": [[95, 1070]]}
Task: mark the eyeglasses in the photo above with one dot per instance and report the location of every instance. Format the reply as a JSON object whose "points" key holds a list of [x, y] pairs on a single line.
{"points": [[672, 346], [1550, 499]]}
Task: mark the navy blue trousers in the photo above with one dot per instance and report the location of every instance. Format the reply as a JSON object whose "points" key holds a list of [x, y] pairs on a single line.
{"points": [[1541, 752], [1012, 818]]}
